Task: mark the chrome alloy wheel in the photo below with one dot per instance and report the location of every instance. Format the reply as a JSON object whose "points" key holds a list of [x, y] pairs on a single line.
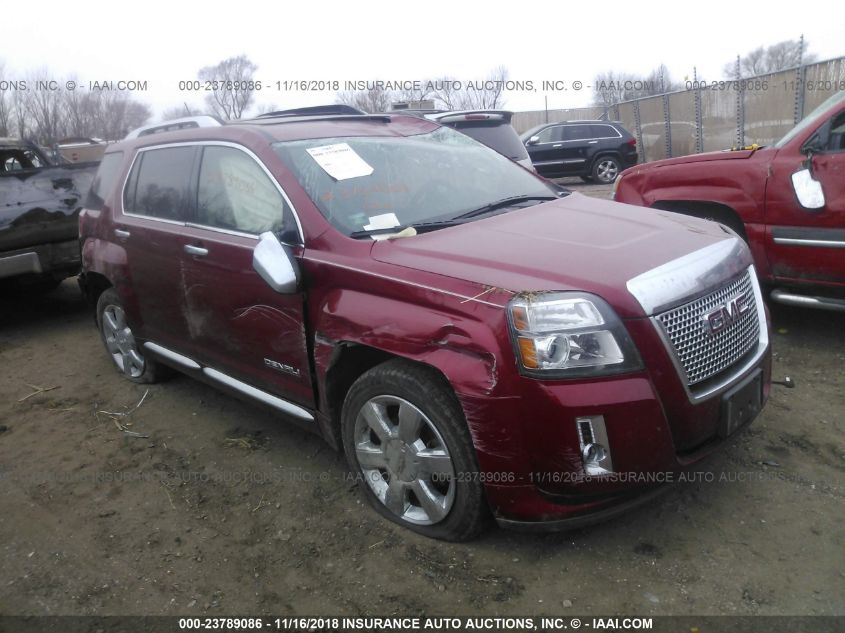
{"points": [[404, 460], [120, 342], [607, 170]]}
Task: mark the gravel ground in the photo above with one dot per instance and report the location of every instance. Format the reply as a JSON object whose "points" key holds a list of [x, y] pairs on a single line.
{"points": [[221, 508]]}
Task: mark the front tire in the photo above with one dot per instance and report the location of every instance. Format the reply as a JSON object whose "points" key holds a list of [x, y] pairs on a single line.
{"points": [[406, 440], [120, 342]]}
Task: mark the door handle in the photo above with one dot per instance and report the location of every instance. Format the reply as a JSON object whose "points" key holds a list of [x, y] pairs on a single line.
{"points": [[558, 145], [196, 251], [122, 234], [592, 142]]}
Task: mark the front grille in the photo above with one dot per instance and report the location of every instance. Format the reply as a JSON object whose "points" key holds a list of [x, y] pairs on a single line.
{"points": [[702, 354]]}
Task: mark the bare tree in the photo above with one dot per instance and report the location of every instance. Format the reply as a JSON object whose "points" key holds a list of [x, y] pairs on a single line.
{"points": [[44, 106], [177, 112], [20, 121], [446, 92], [5, 106], [610, 88], [233, 90], [264, 108], [764, 60], [376, 99]]}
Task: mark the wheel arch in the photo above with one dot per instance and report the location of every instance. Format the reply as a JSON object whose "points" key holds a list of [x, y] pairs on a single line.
{"points": [[706, 210]]}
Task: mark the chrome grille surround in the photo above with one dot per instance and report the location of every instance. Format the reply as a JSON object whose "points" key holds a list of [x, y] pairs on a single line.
{"points": [[700, 354]]}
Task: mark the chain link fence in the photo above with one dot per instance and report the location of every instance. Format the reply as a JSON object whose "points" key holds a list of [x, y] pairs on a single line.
{"points": [[713, 115]]}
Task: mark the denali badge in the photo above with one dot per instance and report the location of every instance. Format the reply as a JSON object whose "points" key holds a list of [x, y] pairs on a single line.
{"points": [[725, 315], [274, 364]]}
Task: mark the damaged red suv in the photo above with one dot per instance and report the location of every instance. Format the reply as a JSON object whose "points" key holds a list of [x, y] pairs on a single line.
{"points": [[479, 344]]}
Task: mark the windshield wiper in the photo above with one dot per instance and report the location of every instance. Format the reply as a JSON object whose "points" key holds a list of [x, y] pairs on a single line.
{"points": [[501, 204], [420, 226]]}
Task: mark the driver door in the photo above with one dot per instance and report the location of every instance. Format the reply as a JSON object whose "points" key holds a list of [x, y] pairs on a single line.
{"points": [[237, 323], [808, 245]]}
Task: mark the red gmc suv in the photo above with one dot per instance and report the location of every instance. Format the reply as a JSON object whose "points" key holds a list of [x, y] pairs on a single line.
{"points": [[479, 344]]}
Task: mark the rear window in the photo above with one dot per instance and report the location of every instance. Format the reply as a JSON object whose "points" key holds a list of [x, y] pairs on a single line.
{"points": [[159, 183], [500, 137], [104, 181]]}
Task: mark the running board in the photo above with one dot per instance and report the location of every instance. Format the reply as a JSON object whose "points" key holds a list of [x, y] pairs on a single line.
{"points": [[256, 394], [233, 383], [807, 301]]}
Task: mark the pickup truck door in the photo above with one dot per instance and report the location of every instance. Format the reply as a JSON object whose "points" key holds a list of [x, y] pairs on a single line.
{"points": [[237, 323], [808, 245]]}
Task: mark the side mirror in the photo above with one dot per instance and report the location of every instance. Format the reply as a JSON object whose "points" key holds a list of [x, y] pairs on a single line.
{"points": [[807, 189], [274, 264], [533, 140]]}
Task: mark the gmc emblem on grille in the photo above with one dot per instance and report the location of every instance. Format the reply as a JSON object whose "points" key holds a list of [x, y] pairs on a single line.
{"points": [[726, 315]]}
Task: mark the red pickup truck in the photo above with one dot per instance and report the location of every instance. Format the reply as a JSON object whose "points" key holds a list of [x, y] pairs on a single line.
{"points": [[787, 201]]}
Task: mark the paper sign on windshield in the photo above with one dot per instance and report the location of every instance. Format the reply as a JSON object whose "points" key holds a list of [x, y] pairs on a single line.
{"points": [[383, 221], [340, 161]]}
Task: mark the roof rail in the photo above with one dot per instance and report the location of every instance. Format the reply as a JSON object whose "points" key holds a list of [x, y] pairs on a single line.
{"points": [[321, 110], [202, 120]]}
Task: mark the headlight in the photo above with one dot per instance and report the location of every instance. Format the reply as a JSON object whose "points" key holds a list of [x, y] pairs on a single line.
{"points": [[569, 334]]}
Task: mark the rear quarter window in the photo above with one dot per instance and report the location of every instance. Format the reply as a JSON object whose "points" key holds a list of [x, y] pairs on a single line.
{"points": [[104, 182], [604, 131], [160, 182]]}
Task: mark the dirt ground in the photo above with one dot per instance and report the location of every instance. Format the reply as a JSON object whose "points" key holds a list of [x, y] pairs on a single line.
{"points": [[221, 508]]}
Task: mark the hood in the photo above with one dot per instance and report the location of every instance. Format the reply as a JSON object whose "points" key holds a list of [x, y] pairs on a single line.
{"points": [[727, 154], [575, 243]]}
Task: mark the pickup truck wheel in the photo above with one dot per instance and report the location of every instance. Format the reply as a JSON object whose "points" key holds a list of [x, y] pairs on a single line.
{"points": [[120, 341], [406, 440], [606, 169]]}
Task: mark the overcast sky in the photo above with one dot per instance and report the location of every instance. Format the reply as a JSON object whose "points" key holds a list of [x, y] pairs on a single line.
{"points": [[165, 42]]}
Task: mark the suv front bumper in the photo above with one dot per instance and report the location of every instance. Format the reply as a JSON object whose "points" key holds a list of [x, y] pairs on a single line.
{"points": [[534, 475]]}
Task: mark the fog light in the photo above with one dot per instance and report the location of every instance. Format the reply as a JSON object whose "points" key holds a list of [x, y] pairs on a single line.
{"points": [[595, 448]]}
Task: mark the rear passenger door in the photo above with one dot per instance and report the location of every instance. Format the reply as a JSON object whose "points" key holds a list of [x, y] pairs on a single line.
{"points": [[156, 203], [578, 147], [237, 324]]}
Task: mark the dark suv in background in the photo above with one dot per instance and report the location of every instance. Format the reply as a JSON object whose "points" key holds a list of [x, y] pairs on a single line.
{"points": [[593, 150]]}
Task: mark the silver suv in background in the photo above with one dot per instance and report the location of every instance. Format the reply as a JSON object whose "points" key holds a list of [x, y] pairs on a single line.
{"points": [[491, 127]]}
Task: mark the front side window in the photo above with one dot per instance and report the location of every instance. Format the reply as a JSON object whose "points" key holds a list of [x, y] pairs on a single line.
{"points": [[836, 142], [550, 134], [236, 194], [371, 182], [160, 182], [831, 102]]}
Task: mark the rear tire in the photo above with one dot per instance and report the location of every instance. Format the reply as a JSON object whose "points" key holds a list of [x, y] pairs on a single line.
{"points": [[120, 343], [407, 442], [606, 169]]}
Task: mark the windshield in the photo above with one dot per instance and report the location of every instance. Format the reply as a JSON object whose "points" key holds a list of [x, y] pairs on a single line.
{"points": [[810, 118], [378, 182]]}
